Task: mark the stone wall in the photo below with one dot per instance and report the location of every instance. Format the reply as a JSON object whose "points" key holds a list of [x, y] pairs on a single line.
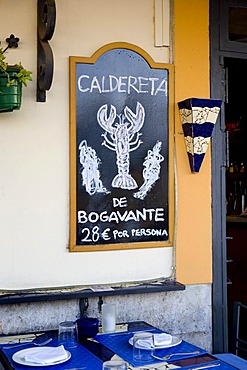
{"points": [[185, 313]]}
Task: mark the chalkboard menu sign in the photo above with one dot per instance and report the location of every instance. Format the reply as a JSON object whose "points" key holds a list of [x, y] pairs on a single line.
{"points": [[121, 146]]}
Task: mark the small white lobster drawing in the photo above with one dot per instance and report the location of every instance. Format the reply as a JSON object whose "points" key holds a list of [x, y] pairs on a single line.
{"points": [[151, 170], [90, 172], [124, 138]]}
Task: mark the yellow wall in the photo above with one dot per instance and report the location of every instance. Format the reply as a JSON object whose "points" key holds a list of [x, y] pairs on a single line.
{"points": [[191, 57]]}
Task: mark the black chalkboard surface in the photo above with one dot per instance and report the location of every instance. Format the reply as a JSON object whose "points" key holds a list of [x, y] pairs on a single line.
{"points": [[121, 150]]}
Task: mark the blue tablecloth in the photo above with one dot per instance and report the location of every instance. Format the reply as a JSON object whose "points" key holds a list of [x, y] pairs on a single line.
{"points": [[81, 358], [229, 358], [119, 344]]}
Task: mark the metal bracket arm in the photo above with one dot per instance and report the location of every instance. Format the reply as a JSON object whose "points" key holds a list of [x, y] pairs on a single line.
{"points": [[45, 63]]}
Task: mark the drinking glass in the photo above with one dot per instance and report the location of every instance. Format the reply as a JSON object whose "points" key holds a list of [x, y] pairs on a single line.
{"points": [[67, 334], [108, 317], [143, 347], [115, 365]]}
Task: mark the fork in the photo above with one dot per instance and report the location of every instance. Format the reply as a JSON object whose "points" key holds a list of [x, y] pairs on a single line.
{"points": [[175, 354], [204, 367], [25, 343]]}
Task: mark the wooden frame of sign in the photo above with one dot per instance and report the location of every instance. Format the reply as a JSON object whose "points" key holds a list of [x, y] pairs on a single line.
{"points": [[121, 150]]}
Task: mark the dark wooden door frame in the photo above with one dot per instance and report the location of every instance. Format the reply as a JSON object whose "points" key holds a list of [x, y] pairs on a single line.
{"points": [[219, 288]]}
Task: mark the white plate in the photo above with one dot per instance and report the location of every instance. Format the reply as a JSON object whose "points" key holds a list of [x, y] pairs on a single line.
{"points": [[20, 355], [175, 342]]}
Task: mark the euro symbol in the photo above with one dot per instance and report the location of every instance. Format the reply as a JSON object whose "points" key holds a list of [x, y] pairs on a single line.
{"points": [[105, 235]]}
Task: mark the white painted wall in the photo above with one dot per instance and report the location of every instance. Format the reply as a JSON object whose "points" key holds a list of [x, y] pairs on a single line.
{"points": [[34, 150]]}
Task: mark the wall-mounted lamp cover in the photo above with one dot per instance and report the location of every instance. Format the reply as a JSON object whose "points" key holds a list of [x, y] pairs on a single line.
{"points": [[198, 117]]}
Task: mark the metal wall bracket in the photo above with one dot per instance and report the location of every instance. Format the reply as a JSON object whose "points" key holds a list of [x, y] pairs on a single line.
{"points": [[83, 304], [46, 25], [100, 302]]}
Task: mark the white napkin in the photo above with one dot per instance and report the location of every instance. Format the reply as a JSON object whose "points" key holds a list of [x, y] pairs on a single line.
{"points": [[46, 355], [145, 343], [162, 339]]}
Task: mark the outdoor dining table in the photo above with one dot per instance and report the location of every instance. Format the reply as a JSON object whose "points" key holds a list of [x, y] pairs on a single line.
{"points": [[91, 353]]}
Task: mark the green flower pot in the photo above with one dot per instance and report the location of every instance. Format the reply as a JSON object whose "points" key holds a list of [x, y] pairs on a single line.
{"points": [[10, 97]]}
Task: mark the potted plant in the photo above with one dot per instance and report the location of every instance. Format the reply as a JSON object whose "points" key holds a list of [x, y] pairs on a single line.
{"points": [[12, 77]]}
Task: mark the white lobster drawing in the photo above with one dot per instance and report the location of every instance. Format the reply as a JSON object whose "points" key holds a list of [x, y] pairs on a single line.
{"points": [[124, 138]]}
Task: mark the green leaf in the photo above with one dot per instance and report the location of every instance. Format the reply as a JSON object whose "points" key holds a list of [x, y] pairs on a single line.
{"points": [[23, 75]]}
